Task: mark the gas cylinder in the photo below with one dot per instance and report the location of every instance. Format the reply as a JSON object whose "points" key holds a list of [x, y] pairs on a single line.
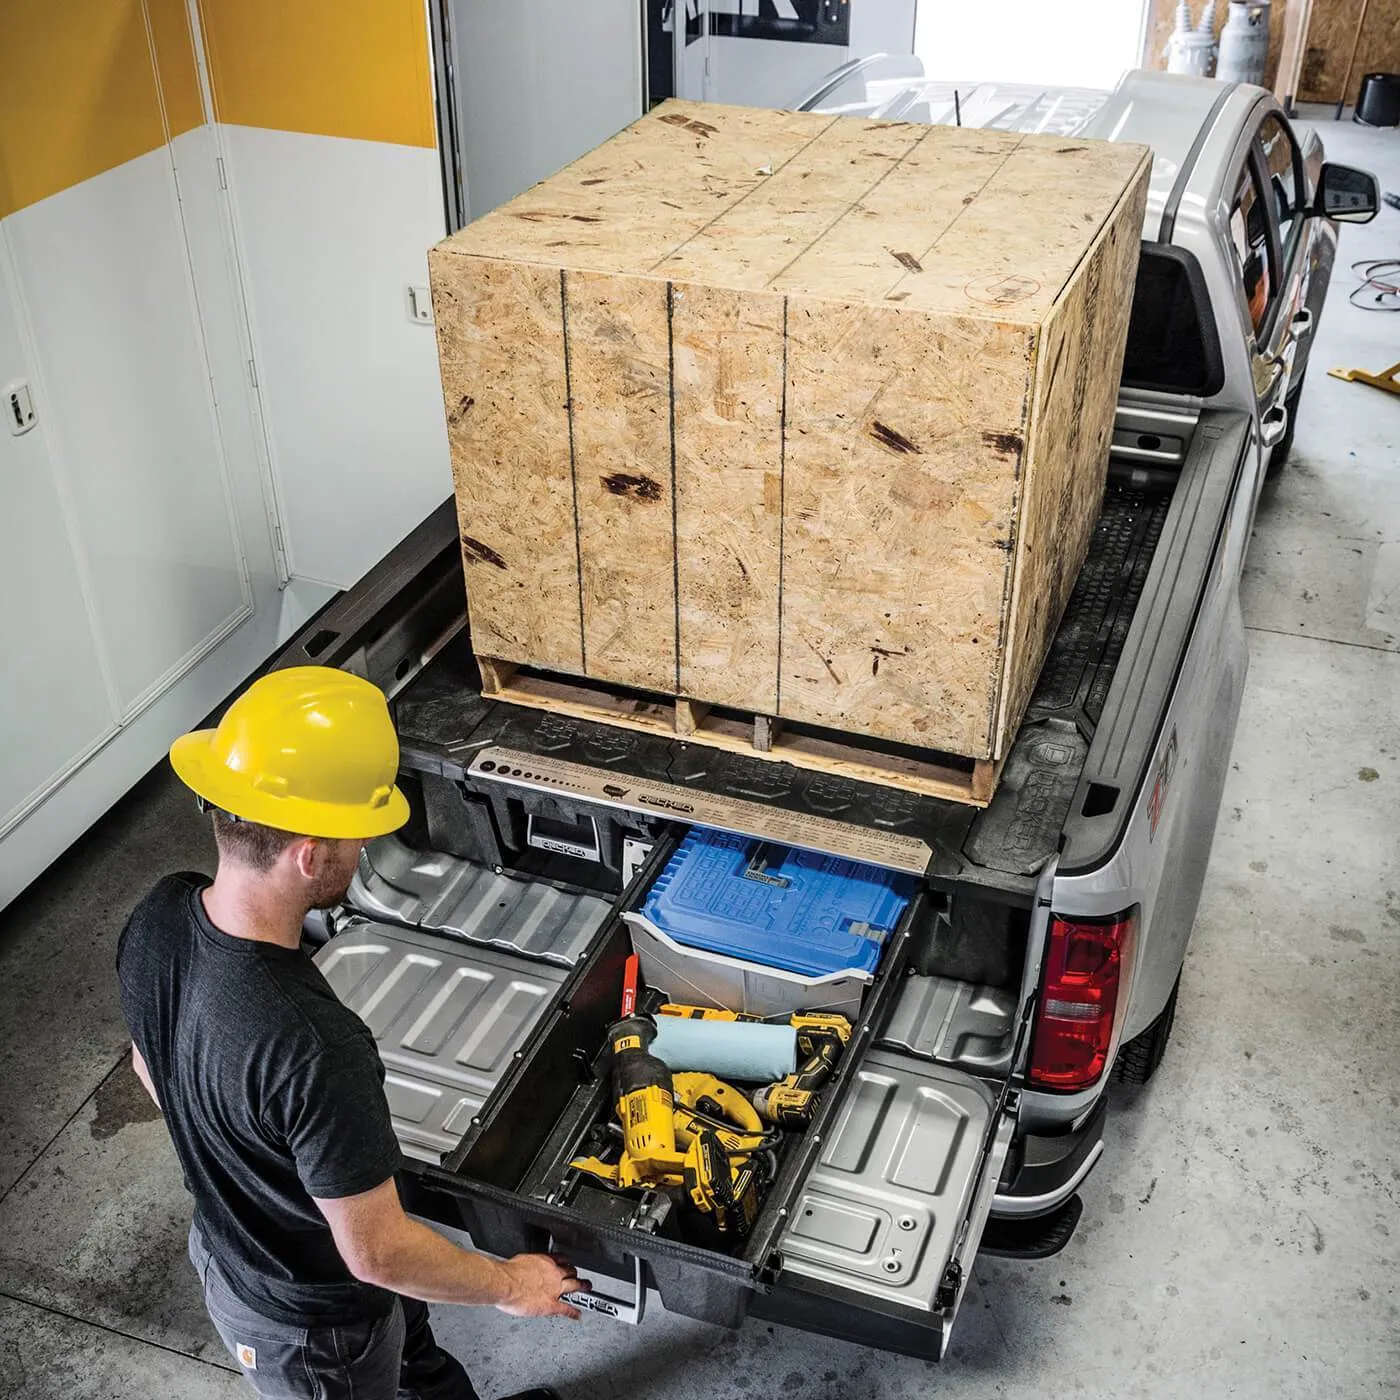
{"points": [[1244, 43]]}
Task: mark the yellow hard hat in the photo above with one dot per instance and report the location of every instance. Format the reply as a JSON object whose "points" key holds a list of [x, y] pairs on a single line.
{"points": [[310, 750]]}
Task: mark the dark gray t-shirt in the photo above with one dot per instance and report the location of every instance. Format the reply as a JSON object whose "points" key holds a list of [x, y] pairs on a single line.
{"points": [[273, 1092]]}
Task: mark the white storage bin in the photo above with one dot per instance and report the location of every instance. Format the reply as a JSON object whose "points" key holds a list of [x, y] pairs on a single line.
{"points": [[698, 978]]}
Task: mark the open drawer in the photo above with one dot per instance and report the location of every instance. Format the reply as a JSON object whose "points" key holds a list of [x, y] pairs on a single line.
{"points": [[890, 1216], [898, 1164]]}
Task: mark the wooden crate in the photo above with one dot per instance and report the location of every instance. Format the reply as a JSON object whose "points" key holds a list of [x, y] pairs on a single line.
{"points": [[800, 415]]}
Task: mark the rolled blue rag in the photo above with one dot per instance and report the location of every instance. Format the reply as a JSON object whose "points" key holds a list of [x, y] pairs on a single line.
{"points": [[727, 1049]]}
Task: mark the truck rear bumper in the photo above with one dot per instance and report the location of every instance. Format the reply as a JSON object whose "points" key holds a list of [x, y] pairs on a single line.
{"points": [[1044, 1172]]}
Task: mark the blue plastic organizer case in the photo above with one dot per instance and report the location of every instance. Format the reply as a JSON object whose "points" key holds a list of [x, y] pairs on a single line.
{"points": [[776, 906]]}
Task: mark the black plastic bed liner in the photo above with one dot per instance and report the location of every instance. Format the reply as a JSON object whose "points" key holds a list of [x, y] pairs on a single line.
{"points": [[443, 721]]}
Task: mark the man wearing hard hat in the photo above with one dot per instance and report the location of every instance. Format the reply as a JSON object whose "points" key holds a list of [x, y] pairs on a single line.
{"points": [[272, 1089]]}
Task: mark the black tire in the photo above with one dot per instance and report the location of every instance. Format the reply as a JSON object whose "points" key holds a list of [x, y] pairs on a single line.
{"points": [[1278, 455], [1138, 1060]]}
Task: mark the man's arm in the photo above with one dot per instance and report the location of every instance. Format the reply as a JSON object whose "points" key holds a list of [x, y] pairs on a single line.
{"points": [[382, 1246], [138, 1063]]}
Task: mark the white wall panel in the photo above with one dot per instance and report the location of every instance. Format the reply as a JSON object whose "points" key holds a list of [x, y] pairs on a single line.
{"points": [[54, 702], [332, 232], [106, 289], [1074, 43], [768, 72], [776, 73], [539, 83]]}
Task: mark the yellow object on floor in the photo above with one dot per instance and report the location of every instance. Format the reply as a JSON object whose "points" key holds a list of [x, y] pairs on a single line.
{"points": [[1386, 379]]}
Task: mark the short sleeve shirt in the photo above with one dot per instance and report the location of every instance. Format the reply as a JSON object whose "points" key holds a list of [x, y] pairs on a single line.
{"points": [[273, 1092]]}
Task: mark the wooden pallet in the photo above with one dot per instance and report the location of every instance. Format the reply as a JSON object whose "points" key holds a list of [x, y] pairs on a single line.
{"points": [[760, 736]]}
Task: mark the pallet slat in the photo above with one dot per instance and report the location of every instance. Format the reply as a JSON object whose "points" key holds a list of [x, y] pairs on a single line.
{"points": [[760, 736]]}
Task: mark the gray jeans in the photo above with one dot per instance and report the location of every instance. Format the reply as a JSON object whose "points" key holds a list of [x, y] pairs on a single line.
{"points": [[392, 1358]]}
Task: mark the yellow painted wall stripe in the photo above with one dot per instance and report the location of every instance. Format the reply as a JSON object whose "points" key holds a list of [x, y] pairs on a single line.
{"points": [[356, 68], [78, 91]]}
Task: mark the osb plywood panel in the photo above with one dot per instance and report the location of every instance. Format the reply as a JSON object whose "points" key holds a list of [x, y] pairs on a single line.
{"points": [[499, 336], [618, 356], [903, 441], [728, 357], [914, 205], [1332, 30], [631, 202], [803, 199], [1078, 361], [780, 200], [1332, 34], [1018, 241]]}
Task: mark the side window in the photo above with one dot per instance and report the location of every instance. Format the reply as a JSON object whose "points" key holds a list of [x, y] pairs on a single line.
{"points": [[1287, 184], [1249, 231]]}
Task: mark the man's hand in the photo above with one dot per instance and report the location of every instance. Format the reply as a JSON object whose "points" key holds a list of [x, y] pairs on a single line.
{"points": [[537, 1281]]}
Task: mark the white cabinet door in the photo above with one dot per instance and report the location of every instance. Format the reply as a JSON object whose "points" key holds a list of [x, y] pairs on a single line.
{"points": [[54, 702], [106, 285]]}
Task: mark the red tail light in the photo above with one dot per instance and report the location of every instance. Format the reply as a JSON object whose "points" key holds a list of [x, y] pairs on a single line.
{"points": [[1083, 968]]}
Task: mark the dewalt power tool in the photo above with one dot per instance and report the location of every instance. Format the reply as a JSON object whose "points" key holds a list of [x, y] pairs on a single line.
{"points": [[703, 1102], [821, 1039], [689, 1147]]}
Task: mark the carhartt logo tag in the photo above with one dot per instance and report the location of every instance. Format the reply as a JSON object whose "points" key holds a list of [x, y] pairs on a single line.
{"points": [[247, 1357]]}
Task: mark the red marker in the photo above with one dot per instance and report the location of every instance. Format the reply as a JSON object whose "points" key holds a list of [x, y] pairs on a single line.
{"points": [[629, 984]]}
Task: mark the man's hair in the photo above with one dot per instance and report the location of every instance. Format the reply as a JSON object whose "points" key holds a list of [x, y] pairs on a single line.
{"points": [[250, 844]]}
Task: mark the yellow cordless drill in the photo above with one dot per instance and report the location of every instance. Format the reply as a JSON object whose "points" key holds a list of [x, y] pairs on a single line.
{"points": [[821, 1039]]}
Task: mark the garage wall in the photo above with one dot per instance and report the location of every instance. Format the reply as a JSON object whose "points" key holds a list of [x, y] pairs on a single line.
{"points": [[1327, 45], [325, 123], [539, 82], [1161, 24]]}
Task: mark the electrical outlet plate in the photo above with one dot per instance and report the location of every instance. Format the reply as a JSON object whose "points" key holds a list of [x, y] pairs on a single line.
{"points": [[420, 305], [19, 408]]}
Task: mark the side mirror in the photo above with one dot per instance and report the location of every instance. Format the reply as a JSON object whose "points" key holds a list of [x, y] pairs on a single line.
{"points": [[1348, 194]]}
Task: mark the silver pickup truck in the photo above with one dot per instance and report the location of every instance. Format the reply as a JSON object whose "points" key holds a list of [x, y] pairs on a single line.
{"points": [[1038, 959]]}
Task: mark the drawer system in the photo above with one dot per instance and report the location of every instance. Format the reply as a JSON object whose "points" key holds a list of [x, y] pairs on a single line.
{"points": [[490, 995]]}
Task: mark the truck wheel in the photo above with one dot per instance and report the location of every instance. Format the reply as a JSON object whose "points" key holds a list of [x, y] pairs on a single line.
{"points": [[1138, 1060], [1278, 455]]}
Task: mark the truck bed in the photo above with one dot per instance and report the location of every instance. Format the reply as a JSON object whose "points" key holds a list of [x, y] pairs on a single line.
{"points": [[404, 627], [443, 723]]}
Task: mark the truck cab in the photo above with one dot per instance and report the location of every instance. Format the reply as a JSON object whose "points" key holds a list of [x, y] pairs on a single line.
{"points": [[1039, 953]]}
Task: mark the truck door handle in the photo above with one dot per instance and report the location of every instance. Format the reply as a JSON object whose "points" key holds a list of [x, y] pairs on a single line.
{"points": [[1272, 426], [1302, 323]]}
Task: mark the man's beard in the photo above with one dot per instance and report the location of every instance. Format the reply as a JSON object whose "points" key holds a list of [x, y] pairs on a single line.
{"points": [[331, 889]]}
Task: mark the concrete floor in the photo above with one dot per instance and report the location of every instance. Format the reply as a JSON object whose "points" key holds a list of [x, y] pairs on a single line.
{"points": [[1238, 1235]]}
